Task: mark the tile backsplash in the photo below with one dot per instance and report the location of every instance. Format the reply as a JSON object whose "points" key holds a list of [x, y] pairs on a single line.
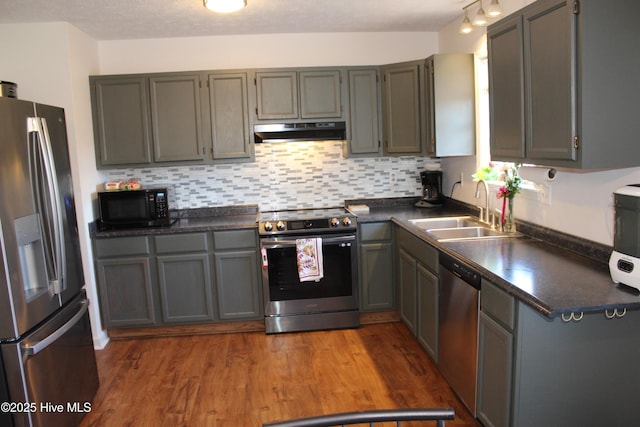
{"points": [[288, 175]]}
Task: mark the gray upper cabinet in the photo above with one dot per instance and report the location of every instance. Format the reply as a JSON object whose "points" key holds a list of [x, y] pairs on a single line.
{"points": [[563, 84], [450, 109], [291, 94], [173, 118], [176, 117], [228, 113], [121, 120], [277, 95], [402, 108], [364, 107]]}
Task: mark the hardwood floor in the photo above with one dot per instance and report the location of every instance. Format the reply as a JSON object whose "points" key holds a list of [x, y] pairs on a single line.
{"points": [[246, 379]]}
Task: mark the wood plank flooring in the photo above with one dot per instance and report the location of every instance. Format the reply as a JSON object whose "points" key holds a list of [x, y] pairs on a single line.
{"points": [[249, 378]]}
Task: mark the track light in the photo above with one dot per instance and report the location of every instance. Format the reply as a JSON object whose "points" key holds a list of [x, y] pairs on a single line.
{"points": [[480, 18]]}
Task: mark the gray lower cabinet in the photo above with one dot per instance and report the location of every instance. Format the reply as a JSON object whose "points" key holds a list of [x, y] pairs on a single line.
{"points": [[125, 281], [178, 279], [427, 322], [237, 274], [495, 356], [418, 282], [376, 266], [576, 369], [184, 278]]}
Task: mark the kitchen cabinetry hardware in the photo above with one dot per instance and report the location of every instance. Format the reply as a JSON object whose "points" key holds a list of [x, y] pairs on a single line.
{"points": [[615, 313], [572, 316]]}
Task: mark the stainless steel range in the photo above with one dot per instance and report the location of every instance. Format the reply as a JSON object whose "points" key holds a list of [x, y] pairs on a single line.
{"points": [[309, 269]]}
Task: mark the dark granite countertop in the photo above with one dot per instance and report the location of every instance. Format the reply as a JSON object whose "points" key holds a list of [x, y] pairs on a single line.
{"points": [[536, 268], [192, 220], [551, 272]]}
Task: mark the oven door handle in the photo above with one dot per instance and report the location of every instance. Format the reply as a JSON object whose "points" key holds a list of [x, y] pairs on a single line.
{"points": [[274, 243]]}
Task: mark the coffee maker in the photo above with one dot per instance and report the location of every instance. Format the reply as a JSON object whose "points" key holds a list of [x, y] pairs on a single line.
{"points": [[431, 189], [624, 263]]}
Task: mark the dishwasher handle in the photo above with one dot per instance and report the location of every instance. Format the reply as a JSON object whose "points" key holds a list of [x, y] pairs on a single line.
{"points": [[460, 269]]}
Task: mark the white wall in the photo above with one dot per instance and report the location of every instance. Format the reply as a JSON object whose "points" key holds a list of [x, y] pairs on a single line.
{"points": [[263, 51], [581, 202]]}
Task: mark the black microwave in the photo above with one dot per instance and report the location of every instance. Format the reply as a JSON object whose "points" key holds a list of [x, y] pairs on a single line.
{"points": [[134, 208]]}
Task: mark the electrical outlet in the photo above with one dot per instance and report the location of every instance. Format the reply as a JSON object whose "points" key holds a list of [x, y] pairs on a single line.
{"points": [[392, 177], [461, 177]]}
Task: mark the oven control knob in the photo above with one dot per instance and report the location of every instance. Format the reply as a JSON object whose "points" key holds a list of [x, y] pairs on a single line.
{"points": [[334, 222], [268, 226], [346, 221], [280, 226]]}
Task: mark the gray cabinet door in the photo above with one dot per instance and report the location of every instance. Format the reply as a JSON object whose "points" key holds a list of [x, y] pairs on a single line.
{"points": [[176, 118], [407, 275], [320, 94], [237, 284], [506, 89], [376, 276], [427, 299], [121, 120], [364, 101], [495, 371], [277, 95], [126, 297], [229, 115], [550, 67], [184, 281], [401, 105], [450, 105]]}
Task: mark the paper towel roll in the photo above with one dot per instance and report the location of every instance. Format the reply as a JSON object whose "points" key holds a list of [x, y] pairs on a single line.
{"points": [[537, 174]]}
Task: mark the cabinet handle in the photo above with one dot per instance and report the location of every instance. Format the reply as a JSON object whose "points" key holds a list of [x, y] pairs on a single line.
{"points": [[572, 316], [615, 313]]}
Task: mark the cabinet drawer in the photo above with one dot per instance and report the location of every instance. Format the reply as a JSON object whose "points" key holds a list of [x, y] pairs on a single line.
{"points": [[498, 304], [422, 251], [375, 231], [122, 246], [192, 242], [234, 239]]}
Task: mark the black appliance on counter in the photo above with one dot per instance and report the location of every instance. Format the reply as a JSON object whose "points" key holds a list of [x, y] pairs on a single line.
{"points": [[133, 209], [328, 303], [45, 332], [431, 189]]}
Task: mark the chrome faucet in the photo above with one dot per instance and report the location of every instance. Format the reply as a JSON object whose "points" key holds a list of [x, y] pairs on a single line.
{"points": [[484, 216]]}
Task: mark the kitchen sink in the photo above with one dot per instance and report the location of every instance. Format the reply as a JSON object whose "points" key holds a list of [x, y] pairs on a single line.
{"points": [[456, 228], [446, 222], [465, 233]]}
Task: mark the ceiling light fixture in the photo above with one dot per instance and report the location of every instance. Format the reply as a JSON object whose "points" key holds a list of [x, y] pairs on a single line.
{"points": [[225, 6], [480, 19]]}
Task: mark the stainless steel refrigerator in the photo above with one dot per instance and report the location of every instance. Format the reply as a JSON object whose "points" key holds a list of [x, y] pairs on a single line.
{"points": [[48, 374]]}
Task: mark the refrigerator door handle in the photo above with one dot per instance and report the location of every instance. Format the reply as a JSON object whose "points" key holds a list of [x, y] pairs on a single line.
{"points": [[35, 348], [48, 200]]}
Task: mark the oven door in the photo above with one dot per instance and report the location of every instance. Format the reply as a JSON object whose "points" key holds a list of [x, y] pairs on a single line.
{"points": [[285, 294]]}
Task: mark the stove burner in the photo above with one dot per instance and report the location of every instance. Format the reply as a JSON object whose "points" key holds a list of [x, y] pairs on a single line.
{"points": [[305, 221]]}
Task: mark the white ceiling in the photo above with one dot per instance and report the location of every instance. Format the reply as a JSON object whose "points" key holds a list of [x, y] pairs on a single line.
{"points": [[135, 19]]}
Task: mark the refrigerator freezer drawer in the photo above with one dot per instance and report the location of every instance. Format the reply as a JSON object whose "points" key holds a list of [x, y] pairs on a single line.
{"points": [[54, 367]]}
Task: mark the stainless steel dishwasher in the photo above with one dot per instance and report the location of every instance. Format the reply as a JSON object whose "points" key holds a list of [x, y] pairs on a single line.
{"points": [[458, 330]]}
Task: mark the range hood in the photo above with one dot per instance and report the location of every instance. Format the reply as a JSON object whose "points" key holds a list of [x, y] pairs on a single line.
{"points": [[286, 132]]}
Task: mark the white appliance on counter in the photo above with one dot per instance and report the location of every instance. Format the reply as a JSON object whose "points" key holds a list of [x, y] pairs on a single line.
{"points": [[624, 263]]}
